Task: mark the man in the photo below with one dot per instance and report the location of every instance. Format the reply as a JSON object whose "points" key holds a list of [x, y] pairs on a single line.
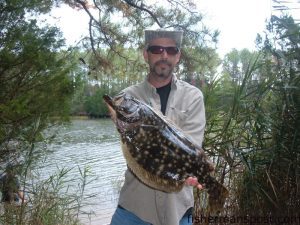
{"points": [[10, 187], [183, 104], [12, 196]]}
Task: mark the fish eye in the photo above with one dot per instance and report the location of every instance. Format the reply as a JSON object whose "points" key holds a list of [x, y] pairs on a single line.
{"points": [[127, 106]]}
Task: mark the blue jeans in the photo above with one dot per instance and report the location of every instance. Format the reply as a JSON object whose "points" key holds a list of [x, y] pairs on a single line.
{"points": [[124, 217]]}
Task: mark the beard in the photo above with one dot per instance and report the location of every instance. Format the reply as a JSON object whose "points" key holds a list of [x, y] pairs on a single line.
{"points": [[162, 69]]}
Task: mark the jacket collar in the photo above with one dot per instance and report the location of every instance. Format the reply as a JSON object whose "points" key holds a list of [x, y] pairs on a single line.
{"points": [[149, 87]]}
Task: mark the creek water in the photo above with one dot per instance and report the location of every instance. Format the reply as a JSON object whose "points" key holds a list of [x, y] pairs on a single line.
{"points": [[92, 144]]}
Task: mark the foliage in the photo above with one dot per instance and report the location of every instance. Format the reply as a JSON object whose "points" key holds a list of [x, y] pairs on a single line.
{"points": [[35, 88], [94, 104], [236, 63], [34, 76], [253, 126], [92, 82], [276, 168]]}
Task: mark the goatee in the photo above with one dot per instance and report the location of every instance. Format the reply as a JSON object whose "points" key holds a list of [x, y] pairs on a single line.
{"points": [[164, 72]]}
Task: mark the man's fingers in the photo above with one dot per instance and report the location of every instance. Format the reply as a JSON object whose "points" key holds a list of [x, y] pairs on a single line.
{"points": [[199, 186], [193, 181]]}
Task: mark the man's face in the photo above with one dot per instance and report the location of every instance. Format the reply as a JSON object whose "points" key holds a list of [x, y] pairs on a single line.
{"points": [[162, 64]]}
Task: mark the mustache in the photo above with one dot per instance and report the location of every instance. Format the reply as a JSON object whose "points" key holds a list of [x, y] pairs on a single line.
{"points": [[163, 61]]}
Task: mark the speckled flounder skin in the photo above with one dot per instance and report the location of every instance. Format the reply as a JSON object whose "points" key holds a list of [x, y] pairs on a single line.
{"points": [[158, 153]]}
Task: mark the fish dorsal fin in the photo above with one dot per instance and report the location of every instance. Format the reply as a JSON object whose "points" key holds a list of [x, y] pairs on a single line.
{"points": [[175, 129]]}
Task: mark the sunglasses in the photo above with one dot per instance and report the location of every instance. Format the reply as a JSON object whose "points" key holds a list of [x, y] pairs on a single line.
{"points": [[156, 49]]}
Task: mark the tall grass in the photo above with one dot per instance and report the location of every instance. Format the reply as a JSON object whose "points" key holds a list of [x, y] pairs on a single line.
{"points": [[253, 130], [59, 199]]}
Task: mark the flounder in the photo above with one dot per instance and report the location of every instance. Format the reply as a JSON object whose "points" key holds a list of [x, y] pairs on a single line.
{"points": [[158, 153]]}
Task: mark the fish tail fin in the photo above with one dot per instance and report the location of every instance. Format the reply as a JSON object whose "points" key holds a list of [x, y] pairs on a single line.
{"points": [[217, 196]]}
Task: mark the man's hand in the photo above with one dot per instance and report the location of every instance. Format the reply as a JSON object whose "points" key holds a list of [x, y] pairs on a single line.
{"points": [[193, 181]]}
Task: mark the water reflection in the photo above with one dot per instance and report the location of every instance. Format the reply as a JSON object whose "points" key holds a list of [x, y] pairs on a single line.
{"points": [[94, 144]]}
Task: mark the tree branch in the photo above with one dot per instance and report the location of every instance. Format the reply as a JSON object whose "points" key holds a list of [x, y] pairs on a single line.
{"points": [[129, 2]]}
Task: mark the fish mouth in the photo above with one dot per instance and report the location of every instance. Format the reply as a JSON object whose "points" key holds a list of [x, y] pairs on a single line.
{"points": [[108, 100], [111, 107]]}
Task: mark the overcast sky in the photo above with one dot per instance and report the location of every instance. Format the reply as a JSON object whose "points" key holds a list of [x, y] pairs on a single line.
{"points": [[239, 21]]}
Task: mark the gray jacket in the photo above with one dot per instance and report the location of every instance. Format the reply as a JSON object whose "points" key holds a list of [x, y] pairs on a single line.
{"points": [[185, 108]]}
